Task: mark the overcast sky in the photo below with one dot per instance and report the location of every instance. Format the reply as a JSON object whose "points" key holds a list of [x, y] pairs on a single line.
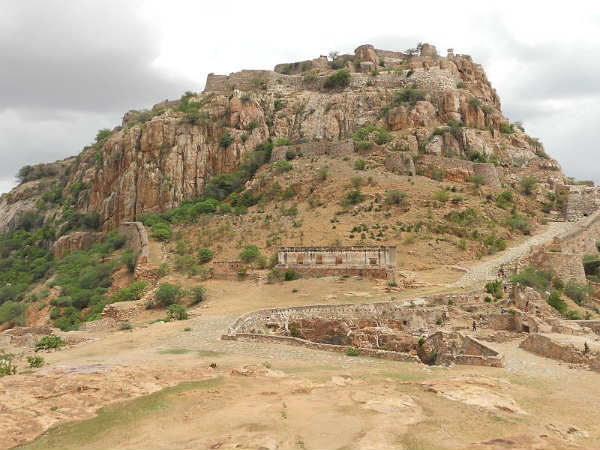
{"points": [[69, 68]]}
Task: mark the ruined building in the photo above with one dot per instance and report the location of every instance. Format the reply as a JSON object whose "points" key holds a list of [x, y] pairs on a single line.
{"points": [[372, 262]]}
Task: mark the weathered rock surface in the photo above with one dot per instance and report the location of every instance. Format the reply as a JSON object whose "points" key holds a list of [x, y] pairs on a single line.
{"points": [[154, 161]]}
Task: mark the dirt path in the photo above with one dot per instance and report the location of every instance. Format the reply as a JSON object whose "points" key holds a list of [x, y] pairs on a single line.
{"points": [[488, 269]]}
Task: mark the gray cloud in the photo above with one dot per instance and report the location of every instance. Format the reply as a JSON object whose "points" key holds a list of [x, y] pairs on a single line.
{"points": [[69, 68]]}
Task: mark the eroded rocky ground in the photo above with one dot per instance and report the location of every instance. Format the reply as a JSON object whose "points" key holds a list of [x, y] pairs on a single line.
{"points": [[275, 396]]}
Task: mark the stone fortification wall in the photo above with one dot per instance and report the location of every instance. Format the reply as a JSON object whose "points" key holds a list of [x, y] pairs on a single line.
{"points": [[415, 320], [137, 239], [434, 78], [582, 201], [567, 266], [333, 149], [546, 346], [582, 238], [460, 169]]}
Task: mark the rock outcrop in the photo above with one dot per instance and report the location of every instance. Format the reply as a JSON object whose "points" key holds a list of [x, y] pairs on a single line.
{"points": [[158, 158]]}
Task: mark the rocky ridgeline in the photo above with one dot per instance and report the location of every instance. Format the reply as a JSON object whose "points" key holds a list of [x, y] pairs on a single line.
{"points": [[158, 158]]}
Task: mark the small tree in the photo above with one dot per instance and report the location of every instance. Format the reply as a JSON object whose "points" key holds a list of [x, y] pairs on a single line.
{"points": [[226, 140], [250, 254], [168, 294], [197, 294], [176, 312], [205, 255]]}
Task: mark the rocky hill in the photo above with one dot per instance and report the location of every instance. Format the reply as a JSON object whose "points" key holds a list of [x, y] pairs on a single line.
{"points": [[417, 105]]}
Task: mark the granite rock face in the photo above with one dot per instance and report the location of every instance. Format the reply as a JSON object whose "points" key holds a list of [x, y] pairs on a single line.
{"points": [[151, 164]]}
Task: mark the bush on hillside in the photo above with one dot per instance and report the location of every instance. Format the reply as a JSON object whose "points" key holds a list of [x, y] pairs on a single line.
{"points": [[168, 294]]}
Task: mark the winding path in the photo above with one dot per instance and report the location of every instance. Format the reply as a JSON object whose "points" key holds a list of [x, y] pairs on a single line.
{"points": [[487, 270]]}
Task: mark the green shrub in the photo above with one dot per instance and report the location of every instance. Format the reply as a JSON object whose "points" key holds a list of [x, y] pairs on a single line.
{"points": [[507, 128], [572, 315], [282, 166], [69, 319], [441, 196], [168, 294], [528, 185], [11, 311], [438, 174], [197, 294], [281, 142], [339, 79], [176, 312], [62, 302], [475, 102], [250, 254], [187, 329], [205, 255], [461, 85], [382, 137], [557, 302], [558, 284], [396, 197], [537, 279], [134, 291], [360, 164], [495, 288], [408, 95], [353, 351], [322, 173], [35, 361], [125, 326], [505, 199], [129, 258], [477, 180], [289, 275], [161, 231], [6, 365], [49, 342], [225, 140], [352, 197], [294, 332], [577, 292]]}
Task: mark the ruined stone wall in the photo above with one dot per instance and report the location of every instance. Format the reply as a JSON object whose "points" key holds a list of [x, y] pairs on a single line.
{"points": [[137, 239], [312, 272], [583, 237], [582, 201], [567, 266], [546, 346], [401, 163], [333, 149], [415, 320], [434, 78], [460, 169], [337, 257]]}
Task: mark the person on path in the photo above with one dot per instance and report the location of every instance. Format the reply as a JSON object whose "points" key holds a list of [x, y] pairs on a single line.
{"points": [[474, 326]]}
